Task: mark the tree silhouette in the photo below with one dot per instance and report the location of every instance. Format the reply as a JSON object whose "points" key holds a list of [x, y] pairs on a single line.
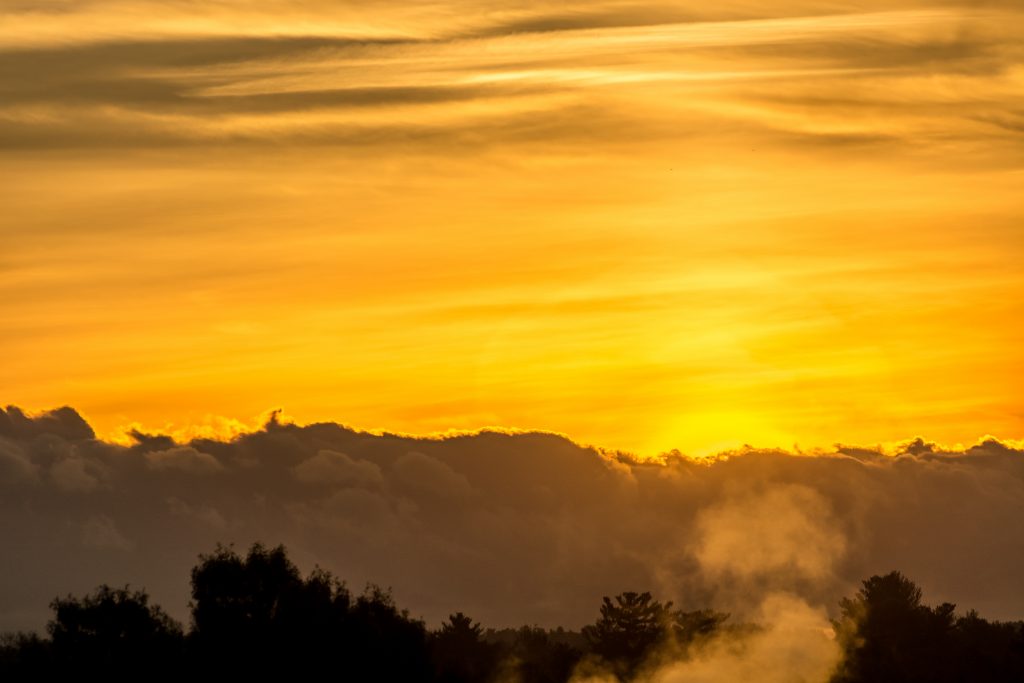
{"points": [[630, 626], [385, 643], [889, 636], [115, 631], [256, 617], [688, 628], [633, 626], [989, 652], [459, 652], [537, 657], [238, 605], [26, 656]]}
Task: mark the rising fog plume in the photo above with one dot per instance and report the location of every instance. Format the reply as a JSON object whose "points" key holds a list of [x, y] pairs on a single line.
{"points": [[513, 528], [757, 543], [528, 276]]}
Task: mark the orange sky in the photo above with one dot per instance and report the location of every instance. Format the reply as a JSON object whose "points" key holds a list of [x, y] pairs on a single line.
{"points": [[645, 225]]}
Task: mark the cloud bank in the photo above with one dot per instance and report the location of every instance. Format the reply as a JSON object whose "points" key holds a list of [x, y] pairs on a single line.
{"points": [[511, 528]]}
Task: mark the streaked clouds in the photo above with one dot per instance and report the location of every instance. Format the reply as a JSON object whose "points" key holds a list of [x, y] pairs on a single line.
{"points": [[113, 74], [646, 225]]}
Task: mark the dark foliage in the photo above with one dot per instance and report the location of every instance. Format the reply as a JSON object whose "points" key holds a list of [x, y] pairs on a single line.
{"points": [[255, 616], [541, 656], [26, 656], [459, 652], [116, 631], [633, 627], [384, 643], [890, 636], [258, 615]]}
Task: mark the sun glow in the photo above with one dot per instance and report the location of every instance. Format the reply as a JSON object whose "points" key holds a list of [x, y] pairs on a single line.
{"points": [[686, 232]]}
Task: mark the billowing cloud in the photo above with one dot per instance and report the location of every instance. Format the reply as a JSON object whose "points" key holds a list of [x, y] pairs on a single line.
{"points": [[63, 422], [333, 468], [15, 465], [517, 528], [202, 514], [101, 533], [184, 458], [429, 476], [72, 474]]}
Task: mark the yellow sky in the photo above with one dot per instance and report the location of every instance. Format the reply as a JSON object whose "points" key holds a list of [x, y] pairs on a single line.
{"points": [[647, 226]]}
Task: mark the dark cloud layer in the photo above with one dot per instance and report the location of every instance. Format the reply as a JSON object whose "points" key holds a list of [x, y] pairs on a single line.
{"points": [[512, 528]]}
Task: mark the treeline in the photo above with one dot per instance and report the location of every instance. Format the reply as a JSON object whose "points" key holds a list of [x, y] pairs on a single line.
{"points": [[255, 616]]}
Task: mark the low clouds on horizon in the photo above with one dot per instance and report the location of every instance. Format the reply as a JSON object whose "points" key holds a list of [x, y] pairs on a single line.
{"points": [[509, 528]]}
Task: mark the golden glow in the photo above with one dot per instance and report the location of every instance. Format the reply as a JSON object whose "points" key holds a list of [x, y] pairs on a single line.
{"points": [[645, 227]]}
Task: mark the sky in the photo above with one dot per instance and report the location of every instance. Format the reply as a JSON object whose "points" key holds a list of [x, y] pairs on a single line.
{"points": [[647, 226]]}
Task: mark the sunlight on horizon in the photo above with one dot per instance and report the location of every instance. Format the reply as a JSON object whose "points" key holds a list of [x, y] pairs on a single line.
{"points": [[644, 227]]}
